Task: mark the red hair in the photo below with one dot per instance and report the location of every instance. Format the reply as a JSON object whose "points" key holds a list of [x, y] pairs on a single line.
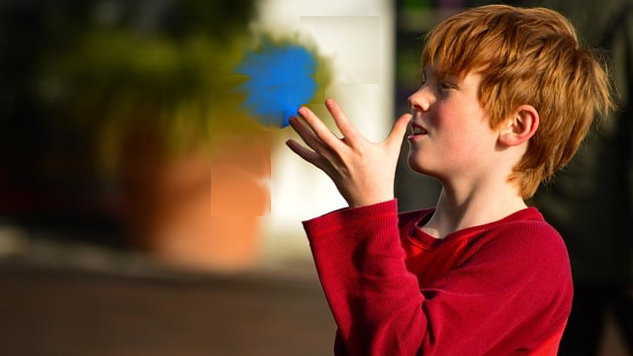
{"points": [[526, 56]]}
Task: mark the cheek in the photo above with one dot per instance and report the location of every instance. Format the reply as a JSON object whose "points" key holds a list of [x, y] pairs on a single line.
{"points": [[464, 124], [452, 128]]}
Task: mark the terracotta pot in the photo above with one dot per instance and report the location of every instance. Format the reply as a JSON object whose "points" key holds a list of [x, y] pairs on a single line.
{"points": [[198, 209]]}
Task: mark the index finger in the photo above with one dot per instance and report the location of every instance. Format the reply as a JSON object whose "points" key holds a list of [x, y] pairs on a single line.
{"points": [[320, 130], [342, 122]]}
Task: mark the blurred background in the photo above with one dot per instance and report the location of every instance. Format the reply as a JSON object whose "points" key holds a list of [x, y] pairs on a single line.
{"points": [[141, 211]]}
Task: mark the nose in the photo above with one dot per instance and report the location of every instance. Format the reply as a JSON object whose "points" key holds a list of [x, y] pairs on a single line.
{"points": [[420, 100]]}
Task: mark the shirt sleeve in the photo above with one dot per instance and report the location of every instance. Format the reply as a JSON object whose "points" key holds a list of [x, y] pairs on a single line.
{"points": [[488, 305]]}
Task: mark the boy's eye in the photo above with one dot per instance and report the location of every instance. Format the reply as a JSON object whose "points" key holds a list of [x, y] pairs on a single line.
{"points": [[446, 86]]}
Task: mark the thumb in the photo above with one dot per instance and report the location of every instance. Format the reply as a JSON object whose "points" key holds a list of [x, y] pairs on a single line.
{"points": [[396, 136]]}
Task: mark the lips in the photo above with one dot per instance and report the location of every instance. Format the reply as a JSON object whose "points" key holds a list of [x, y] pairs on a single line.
{"points": [[417, 130]]}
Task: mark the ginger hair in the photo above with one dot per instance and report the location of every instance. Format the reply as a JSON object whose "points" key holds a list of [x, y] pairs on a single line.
{"points": [[526, 56]]}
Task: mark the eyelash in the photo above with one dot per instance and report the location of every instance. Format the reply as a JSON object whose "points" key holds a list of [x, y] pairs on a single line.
{"points": [[446, 86], [442, 85]]}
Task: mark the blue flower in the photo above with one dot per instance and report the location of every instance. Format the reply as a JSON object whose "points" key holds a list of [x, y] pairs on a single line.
{"points": [[280, 80]]}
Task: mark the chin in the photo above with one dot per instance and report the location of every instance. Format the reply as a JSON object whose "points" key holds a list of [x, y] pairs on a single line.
{"points": [[422, 167], [416, 166]]}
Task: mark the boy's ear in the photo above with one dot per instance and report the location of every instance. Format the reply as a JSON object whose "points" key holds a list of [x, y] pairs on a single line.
{"points": [[520, 127]]}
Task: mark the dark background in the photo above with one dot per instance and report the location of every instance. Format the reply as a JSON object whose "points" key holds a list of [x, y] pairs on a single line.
{"points": [[70, 283]]}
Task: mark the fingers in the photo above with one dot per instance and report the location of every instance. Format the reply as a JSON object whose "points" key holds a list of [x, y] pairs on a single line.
{"points": [[322, 132], [321, 139], [344, 125], [303, 152], [396, 136], [308, 136], [311, 157]]}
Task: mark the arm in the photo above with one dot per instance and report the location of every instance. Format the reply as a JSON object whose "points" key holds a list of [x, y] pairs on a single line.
{"points": [[508, 293], [374, 300], [488, 305]]}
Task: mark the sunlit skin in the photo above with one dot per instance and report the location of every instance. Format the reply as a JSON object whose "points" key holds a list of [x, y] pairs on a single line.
{"points": [[451, 136], [363, 171], [451, 140]]}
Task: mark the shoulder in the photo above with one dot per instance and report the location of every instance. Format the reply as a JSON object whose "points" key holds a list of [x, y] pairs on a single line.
{"points": [[532, 249], [521, 246], [528, 230]]}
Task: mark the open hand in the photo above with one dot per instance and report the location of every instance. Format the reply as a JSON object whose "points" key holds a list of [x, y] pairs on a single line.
{"points": [[363, 171]]}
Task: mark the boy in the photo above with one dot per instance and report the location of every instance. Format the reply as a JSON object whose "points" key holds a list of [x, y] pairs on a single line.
{"points": [[507, 96]]}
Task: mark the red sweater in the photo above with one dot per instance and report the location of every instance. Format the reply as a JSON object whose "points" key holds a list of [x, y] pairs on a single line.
{"points": [[502, 288]]}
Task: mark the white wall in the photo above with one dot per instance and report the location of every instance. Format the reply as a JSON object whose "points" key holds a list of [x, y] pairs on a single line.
{"points": [[359, 37]]}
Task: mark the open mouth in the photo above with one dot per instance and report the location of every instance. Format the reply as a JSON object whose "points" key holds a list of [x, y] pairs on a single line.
{"points": [[417, 130]]}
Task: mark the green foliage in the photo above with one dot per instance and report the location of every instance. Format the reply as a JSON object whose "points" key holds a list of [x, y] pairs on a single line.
{"points": [[116, 81], [177, 81], [124, 77]]}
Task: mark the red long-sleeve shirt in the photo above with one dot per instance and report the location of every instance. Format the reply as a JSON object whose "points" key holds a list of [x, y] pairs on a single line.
{"points": [[502, 288]]}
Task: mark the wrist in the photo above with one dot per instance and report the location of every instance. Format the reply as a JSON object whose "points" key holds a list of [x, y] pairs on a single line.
{"points": [[367, 201]]}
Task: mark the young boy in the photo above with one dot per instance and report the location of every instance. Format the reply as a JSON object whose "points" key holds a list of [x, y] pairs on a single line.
{"points": [[506, 97]]}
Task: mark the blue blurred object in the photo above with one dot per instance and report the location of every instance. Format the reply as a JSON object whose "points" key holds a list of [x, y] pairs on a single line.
{"points": [[280, 80]]}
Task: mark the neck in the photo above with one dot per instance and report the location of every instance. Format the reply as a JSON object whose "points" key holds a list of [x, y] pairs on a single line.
{"points": [[458, 209]]}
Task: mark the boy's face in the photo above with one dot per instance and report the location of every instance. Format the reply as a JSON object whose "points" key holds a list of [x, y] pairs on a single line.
{"points": [[451, 136]]}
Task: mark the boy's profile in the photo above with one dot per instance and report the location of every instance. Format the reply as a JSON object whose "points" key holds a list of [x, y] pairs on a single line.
{"points": [[506, 97]]}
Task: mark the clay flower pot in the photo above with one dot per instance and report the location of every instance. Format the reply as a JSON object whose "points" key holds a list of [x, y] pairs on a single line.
{"points": [[199, 209]]}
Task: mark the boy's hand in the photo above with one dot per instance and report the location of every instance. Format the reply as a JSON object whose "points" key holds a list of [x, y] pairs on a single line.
{"points": [[363, 171]]}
